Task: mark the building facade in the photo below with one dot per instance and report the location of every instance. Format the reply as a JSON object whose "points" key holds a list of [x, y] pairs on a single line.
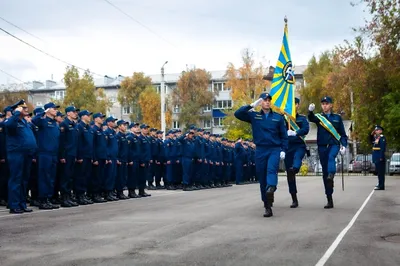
{"points": [[41, 93]]}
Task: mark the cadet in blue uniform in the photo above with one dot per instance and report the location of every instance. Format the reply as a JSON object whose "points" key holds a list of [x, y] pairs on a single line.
{"points": [[330, 134], [3, 163], [84, 158], [67, 155], [122, 159], [111, 162], [378, 156], [21, 145], [188, 153], [160, 162], [145, 159], [154, 158], [270, 137], [134, 159], [296, 152], [100, 157], [240, 158], [48, 138]]}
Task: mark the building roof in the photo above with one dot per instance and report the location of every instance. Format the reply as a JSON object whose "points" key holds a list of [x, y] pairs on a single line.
{"points": [[107, 82]]}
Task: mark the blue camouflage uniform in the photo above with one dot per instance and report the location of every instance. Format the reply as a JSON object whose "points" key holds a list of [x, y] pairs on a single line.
{"points": [[21, 145], [378, 158], [270, 137], [328, 145]]}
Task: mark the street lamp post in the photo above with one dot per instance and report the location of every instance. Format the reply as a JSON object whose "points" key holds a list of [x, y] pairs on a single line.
{"points": [[162, 93]]}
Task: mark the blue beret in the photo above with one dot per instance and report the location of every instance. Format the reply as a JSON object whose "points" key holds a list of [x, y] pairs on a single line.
{"points": [[70, 109], [98, 115], [327, 99], [84, 112], [50, 105], [265, 95]]}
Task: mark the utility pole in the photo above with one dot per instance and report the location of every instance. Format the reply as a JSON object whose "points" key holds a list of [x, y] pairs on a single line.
{"points": [[353, 124], [162, 93]]}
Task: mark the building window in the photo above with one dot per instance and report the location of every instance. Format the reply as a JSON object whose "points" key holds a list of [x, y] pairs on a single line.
{"points": [[39, 104], [207, 124], [223, 104], [218, 121], [126, 110], [113, 99], [59, 95], [176, 109], [207, 108], [176, 124], [220, 86]]}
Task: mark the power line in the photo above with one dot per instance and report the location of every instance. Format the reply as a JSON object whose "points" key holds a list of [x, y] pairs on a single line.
{"points": [[8, 74], [138, 22], [21, 29], [49, 55]]}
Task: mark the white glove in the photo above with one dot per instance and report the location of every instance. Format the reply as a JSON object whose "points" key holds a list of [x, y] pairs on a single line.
{"points": [[256, 103], [311, 107], [342, 150], [282, 155], [291, 133]]}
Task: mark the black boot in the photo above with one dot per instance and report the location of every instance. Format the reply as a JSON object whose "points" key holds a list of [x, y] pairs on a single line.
{"points": [[295, 202], [132, 194], [82, 200], [268, 210], [44, 205], [143, 194], [329, 205], [65, 201], [110, 196], [122, 196], [98, 199]]}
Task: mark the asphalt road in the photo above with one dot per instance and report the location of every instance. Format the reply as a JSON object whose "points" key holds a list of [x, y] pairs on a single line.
{"points": [[213, 227]]}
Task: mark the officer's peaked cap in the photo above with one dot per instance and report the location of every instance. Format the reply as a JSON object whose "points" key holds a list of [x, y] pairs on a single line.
{"points": [[265, 96]]}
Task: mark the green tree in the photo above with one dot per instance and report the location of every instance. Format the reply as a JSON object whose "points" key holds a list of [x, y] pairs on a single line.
{"points": [[246, 83], [192, 95], [82, 93], [131, 88]]}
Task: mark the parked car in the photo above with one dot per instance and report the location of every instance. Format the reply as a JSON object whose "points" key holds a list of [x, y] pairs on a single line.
{"points": [[363, 163], [394, 165]]}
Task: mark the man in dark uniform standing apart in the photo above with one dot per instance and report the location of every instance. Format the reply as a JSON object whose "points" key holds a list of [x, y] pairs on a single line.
{"points": [[21, 145], [378, 156], [330, 135], [270, 137], [297, 149]]}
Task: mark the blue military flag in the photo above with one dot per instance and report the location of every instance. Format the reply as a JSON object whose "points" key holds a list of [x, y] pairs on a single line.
{"points": [[282, 88]]}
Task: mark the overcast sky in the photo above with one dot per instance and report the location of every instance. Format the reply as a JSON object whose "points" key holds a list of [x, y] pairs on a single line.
{"points": [[207, 34]]}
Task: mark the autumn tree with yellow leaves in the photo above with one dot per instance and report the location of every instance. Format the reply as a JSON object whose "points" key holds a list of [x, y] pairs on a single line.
{"points": [[247, 83], [150, 105]]}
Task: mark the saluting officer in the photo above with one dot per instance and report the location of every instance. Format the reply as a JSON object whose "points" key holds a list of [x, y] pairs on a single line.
{"points": [[3, 162], [48, 138], [21, 145], [378, 156], [67, 155], [330, 135], [270, 137], [297, 149]]}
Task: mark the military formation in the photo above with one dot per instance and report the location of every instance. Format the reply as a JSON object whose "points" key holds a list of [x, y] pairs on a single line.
{"points": [[50, 159]]}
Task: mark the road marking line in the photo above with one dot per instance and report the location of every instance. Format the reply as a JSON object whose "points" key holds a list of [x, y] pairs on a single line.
{"points": [[340, 237]]}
